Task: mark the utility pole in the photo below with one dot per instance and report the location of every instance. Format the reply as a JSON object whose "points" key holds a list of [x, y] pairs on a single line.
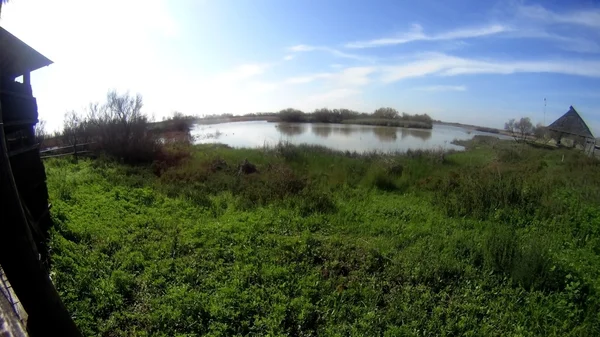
{"points": [[544, 111]]}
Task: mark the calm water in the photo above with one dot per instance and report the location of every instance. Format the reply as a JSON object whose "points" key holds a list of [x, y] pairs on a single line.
{"points": [[337, 136]]}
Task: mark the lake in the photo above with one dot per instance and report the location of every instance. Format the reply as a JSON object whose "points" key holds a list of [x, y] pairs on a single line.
{"points": [[345, 137]]}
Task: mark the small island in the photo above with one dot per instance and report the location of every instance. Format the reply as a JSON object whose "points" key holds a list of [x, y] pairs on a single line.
{"points": [[381, 117]]}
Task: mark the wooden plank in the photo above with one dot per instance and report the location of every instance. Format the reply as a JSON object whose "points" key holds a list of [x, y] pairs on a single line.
{"points": [[17, 108], [23, 150], [64, 147], [66, 154], [12, 325], [21, 122], [16, 94]]}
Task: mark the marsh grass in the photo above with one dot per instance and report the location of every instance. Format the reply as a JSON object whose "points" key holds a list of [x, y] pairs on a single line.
{"points": [[497, 240]]}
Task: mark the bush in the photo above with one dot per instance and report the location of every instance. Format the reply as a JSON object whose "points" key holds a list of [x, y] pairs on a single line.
{"points": [[180, 122], [483, 193], [519, 129], [316, 202], [118, 128], [327, 116], [333, 116], [292, 115], [387, 113], [501, 248]]}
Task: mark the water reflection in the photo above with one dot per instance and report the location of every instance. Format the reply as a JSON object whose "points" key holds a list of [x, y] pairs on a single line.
{"points": [[423, 134], [382, 133], [322, 130], [385, 134], [345, 130], [291, 129]]}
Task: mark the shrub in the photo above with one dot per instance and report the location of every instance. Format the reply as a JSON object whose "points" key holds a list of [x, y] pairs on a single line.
{"points": [[482, 193], [292, 115], [118, 127], [388, 113], [316, 202], [177, 122], [170, 155], [519, 129], [39, 130], [501, 248], [333, 116]]}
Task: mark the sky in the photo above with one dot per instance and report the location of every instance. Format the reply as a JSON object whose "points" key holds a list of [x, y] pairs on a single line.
{"points": [[476, 62]]}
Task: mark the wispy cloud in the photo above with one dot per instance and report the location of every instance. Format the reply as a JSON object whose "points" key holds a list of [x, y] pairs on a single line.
{"points": [[589, 18], [569, 43], [442, 88], [288, 57], [355, 76], [447, 65], [416, 34], [307, 78], [352, 76], [332, 51]]}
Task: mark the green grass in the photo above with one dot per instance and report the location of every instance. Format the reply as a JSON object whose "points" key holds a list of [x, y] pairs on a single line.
{"points": [[503, 239]]}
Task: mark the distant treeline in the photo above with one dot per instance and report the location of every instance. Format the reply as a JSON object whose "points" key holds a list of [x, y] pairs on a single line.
{"points": [[381, 116]]}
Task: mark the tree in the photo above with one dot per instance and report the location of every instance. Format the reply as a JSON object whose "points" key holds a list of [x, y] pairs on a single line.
{"points": [[40, 131], [387, 113], [519, 129], [541, 133], [291, 115], [525, 127], [71, 124], [117, 127]]}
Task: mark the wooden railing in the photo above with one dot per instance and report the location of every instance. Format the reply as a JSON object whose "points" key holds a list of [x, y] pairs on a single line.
{"points": [[77, 150]]}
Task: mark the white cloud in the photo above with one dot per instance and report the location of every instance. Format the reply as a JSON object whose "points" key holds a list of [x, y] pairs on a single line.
{"points": [[288, 57], [446, 65], [416, 34], [443, 88], [589, 17], [332, 51]]}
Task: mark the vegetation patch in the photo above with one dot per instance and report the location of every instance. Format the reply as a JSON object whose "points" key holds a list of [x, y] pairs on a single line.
{"points": [[496, 240]]}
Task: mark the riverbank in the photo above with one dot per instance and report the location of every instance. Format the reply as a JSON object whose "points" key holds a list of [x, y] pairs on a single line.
{"points": [[501, 239]]}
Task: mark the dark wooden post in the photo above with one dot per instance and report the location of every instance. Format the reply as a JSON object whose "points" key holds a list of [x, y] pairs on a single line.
{"points": [[27, 82], [19, 257]]}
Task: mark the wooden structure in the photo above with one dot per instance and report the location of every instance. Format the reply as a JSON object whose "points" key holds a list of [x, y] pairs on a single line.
{"points": [[24, 208], [571, 125]]}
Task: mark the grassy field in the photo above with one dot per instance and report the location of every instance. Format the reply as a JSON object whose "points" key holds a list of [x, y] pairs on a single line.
{"points": [[500, 240]]}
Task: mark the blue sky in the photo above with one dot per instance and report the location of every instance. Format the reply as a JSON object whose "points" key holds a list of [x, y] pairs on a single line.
{"points": [[479, 62]]}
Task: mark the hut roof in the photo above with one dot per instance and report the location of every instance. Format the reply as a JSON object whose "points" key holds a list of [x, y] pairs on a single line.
{"points": [[571, 123], [17, 58]]}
